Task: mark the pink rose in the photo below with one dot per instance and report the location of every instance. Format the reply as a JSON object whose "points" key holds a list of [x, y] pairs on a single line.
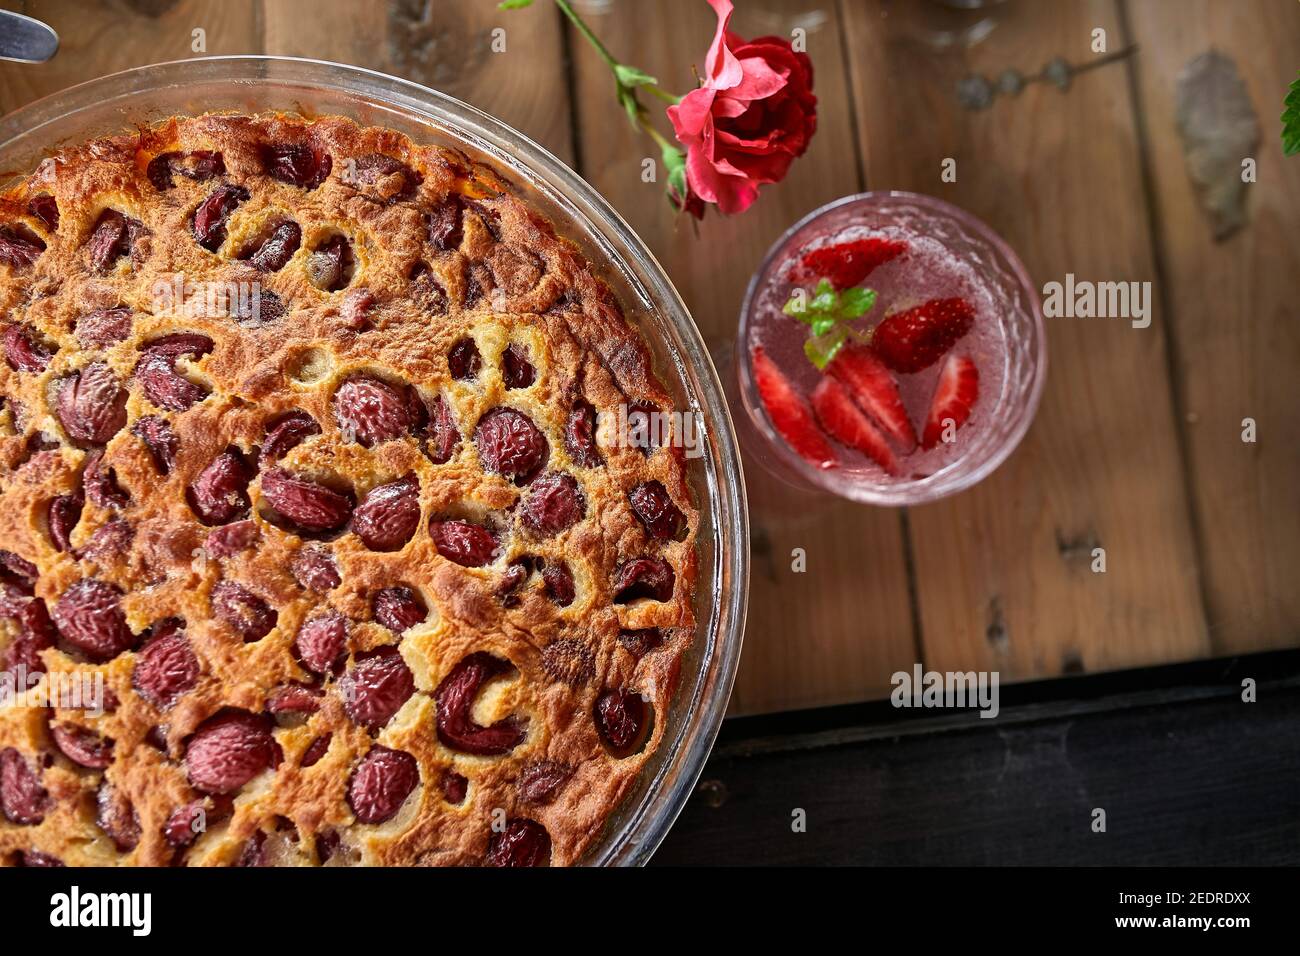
{"points": [[752, 116]]}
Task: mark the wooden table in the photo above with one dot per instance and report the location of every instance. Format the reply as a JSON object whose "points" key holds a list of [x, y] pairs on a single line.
{"points": [[1137, 446]]}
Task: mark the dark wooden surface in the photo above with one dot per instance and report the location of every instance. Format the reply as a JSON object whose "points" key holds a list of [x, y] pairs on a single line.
{"points": [[1187, 773]]}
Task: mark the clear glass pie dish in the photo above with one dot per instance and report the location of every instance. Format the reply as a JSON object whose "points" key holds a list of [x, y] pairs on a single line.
{"points": [[122, 102]]}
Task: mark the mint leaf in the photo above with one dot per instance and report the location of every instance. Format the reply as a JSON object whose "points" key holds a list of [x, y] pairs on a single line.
{"points": [[830, 315], [1291, 120], [797, 304], [826, 301], [514, 4], [821, 349], [857, 302], [823, 324], [631, 76]]}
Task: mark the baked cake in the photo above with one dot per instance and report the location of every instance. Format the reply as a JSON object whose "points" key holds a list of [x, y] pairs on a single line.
{"points": [[306, 451]]}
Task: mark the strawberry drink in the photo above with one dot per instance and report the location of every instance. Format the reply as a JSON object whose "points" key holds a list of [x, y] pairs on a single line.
{"points": [[891, 350]]}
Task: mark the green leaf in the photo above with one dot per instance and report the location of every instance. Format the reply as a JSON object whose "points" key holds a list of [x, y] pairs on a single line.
{"points": [[630, 76], [675, 163], [826, 302], [514, 4], [831, 315], [674, 159], [823, 324], [821, 349], [631, 105], [857, 302], [1291, 120], [677, 180]]}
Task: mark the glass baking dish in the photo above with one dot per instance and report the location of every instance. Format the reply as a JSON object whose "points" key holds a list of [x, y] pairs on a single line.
{"points": [[121, 102]]}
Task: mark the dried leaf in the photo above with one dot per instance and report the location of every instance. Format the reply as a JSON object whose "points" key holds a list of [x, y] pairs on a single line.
{"points": [[1219, 129]]}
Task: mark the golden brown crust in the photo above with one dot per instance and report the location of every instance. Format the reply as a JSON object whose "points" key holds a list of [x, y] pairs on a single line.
{"points": [[508, 279]]}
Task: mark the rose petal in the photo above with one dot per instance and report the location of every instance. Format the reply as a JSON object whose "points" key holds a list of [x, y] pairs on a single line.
{"points": [[712, 182], [689, 116], [722, 69], [724, 107], [759, 81], [734, 143]]}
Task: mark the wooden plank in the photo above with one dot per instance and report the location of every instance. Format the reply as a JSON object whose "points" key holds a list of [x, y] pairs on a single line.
{"points": [[445, 46], [1003, 571], [100, 38], [836, 632], [1233, 310]]}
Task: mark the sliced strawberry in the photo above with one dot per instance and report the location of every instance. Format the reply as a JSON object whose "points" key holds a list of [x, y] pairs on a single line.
{"points": [[846, 423], [916, 339], [846, 264], [954, 397], [875, 390], [790, 414]]}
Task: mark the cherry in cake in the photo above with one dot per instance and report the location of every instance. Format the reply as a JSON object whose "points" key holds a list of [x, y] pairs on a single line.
{"points": [[335, 525]]}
